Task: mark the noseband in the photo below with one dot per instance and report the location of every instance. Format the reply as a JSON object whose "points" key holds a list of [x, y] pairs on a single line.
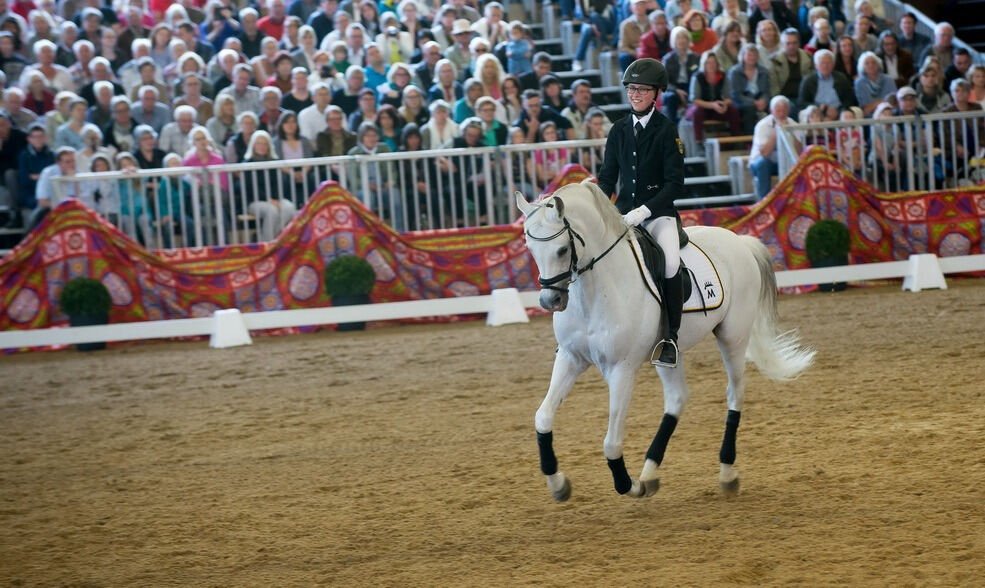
{"points": [[573, 270]]}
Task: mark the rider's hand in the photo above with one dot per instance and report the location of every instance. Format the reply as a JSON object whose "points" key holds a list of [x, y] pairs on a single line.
{"points": [[636, 216]]}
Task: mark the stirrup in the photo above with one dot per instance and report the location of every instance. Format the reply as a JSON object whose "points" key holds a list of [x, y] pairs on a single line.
{"points": [[655, 357]]}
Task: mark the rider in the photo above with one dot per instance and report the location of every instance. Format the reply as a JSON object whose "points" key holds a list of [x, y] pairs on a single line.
{"points": [[645, 151]]}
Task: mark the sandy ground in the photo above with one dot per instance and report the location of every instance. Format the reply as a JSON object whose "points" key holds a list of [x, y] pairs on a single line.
{"points": [[405, 456]]}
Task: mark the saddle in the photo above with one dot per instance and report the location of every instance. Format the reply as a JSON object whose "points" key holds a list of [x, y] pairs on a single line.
{"points": [[653, 259]]}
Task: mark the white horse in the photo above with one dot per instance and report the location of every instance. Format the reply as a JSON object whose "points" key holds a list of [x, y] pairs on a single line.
{"points": [[604, 315]]}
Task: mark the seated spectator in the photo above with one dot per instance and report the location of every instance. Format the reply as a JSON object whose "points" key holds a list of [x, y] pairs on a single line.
{"points": [[149, 110], [68, 35], [135, 213], [863, 36], [772, 10], [92, 145], [31, 160], [750, 87], [909, 39], [291, 146], [223, 123], [977, 79], [906, 97], [519, 50], [101, 72], [876, 21], [298, 98], [272, 214], [831, 12], [731, 12], [631, 29], [959, 68], [369, 15], [830, 90], [655, 42], [681, 64], [440, 129], [12, 62], [768, 41], [788, 68], [347, 98], [263, 64], [227, 60], [470, 172], [13, 103], [367, 109], [424, 71], [886, 157], [596, 127], [281, 78], [444, 22], [577, 108], [965, 136], [493, 131], [459, 53], [541, 67], [118, 133], [176, 136], [709, 96], [148, 76], [676, 9], [376, 69], [396, 45], [335, 139], [763, 160], [446, 86], [375, 188], [598, 28], [491, 26], [465, 107], [101, 195], [511, 101], [477, 48], [270, 99], [56, 76], [702, 37], [236, 146], [943, 47], [38, 99], [872, 86], [148, 153], [311, 120], [47, 197], [534, 112], [174, 215], [930, 97], [325, 72], [391, 91], [548, 163], [388, 125], [245, 95], [304, 54], [821, 39], [490, 74], [550, 93], [896, 61], [420, 173], [412, 108], [70, 133], [846, 58], [289, 41], [727, 49]]}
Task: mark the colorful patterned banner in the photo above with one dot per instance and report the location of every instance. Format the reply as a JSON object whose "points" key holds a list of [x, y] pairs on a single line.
{"points": [[287, 273]]}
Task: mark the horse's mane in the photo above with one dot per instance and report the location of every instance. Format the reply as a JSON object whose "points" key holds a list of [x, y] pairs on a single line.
{"points": [[590, 192]]}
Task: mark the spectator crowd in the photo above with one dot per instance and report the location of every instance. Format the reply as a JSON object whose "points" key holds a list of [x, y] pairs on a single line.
{"points": [[94, 86]]}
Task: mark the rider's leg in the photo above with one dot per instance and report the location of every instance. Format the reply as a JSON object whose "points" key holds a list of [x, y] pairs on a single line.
{"points": [[664, 231]]}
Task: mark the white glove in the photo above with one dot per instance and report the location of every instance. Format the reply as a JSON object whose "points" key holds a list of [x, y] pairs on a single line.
{"points": [[636, 216]]}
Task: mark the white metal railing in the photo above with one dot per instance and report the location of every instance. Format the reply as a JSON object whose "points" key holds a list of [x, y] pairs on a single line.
{"points": [[927, 152]]}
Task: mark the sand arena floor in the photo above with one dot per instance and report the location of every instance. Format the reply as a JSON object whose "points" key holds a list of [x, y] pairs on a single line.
{"points": [[405, 456]]}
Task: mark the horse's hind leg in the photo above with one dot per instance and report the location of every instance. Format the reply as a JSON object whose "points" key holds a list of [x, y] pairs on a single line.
{"points": [[675, 397], [566, 370], [734, 356]]}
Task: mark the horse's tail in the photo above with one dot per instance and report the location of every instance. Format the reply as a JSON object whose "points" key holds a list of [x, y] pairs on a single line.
{"points": [[779, 356]]}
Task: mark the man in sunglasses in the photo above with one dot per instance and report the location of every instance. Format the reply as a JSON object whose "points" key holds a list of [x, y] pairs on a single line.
{"points": [[645, 153]]}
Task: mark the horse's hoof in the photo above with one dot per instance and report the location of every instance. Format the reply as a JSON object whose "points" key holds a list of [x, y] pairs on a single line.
{"points": [[730, 488], [563, 493], [650, 487]]}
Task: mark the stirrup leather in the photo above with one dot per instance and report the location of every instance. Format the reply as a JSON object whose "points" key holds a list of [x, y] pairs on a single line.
{"points": [[655, 356]]}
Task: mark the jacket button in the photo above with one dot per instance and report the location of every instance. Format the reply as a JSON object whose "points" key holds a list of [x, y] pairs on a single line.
{"points": [[634, 153], [634, 180]]}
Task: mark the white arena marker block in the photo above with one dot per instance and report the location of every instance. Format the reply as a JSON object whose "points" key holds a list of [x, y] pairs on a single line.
{"points": [[229, 329], [924, 273], [506, 308]]}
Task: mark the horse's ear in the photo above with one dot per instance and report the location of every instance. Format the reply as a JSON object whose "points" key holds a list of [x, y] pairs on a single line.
{"points": [[560, 207], [525, 207]]}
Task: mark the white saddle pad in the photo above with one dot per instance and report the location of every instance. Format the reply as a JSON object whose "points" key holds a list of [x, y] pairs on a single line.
{"points": [[706, 290]]}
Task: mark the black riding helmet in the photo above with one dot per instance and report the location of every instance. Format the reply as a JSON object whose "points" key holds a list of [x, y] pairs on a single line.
{"points": [[647, 71]]}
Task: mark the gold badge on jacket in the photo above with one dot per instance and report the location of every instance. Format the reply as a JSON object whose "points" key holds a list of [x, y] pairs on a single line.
{"points": [[680, 145]]}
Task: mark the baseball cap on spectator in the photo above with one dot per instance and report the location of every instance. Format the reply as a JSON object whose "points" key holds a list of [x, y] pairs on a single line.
{"points": [[461, 26], [904, 92]]}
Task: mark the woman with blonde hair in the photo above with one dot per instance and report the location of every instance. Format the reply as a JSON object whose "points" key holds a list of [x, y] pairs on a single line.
{"points": [[489, 71], [397, 79], [767, 41], [263, 64], [413, 109], [223, 123], [727, 49], [272, 214], [304, 54]]}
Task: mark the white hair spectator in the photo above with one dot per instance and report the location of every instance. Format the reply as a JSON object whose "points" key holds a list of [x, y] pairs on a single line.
{"points": [[818, 12], [355, 26], [446, 63], [99, 60], [271, 90], [679, 32], [943, 27], [779, 99], [258, 135], [354, 70], [248, 11], [43, 44], [117, 100], [175, 14], [171, 157], [821, 54], [102, 86], [439, 104], [14, 91], [68, 25], [959, 83], [477, 42], [864, 58], [138, 44], [394, 68], [148, 88], [185, 109], [191, 56], [247, 114], [143, 130]]}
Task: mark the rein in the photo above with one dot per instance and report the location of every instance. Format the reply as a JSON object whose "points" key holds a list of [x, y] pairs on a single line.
{"points": [[573, 270]]}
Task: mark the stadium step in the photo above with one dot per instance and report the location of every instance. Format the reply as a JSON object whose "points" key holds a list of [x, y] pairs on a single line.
{"points": [[615, 111], [705, 186], [602, 96], [561, 63], [552, 46], [593, 76]]}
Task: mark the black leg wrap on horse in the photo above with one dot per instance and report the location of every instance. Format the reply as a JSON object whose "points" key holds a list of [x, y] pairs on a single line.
{"points": [[548, 462], [620, 477], [727, 454], [660, 440]]}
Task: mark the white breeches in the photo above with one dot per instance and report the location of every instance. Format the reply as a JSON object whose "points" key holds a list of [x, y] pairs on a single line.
{"points": [[664, 232], [272, 218]]}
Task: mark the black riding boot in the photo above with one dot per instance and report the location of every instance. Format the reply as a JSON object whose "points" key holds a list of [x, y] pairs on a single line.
{"points": [[673, 303]]}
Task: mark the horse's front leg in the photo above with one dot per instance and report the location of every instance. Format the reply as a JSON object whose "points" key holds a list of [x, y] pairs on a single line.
{"points": [[621, 379], [567, 368]]}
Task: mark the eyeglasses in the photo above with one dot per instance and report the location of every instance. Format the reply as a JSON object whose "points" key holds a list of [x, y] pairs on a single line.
{"points": [[638, 89]]}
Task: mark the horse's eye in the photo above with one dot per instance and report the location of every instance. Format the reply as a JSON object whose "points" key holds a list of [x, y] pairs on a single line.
{"points": [[562, 251]]}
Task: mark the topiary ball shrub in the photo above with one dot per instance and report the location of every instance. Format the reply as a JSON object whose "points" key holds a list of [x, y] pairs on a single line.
{"points": [[349, 280], [828, 239], [86, 301]]}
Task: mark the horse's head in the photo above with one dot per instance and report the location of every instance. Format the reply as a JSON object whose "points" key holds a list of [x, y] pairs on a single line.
{"points": [[552, 242]]}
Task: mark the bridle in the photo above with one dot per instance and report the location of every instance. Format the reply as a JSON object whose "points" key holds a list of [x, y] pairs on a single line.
{"points": [[573, 270]]}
